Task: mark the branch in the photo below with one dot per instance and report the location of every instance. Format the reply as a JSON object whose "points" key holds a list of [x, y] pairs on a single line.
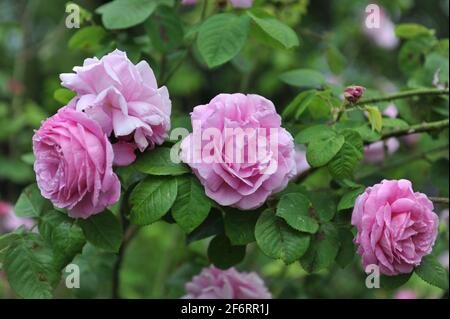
{"points": [[419, 128], [394, 163], [404, 95], [439, 200]]}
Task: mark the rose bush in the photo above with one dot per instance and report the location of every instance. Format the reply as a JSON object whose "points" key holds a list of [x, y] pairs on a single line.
{"points": [[145, 175]]}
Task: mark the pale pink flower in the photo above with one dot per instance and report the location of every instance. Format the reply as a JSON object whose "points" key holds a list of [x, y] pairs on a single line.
{"points": [[396, 226], [241, 3], [9, 221], [243, 184], [122, 97], [405, 294], [188, 2], [384, 36], [301, 163], [213, 283], [74, 164]]}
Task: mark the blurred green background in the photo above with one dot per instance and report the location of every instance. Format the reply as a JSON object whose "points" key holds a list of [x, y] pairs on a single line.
{"points": [[35, 48]]}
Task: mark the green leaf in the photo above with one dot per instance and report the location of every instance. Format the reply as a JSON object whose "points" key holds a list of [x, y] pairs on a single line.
{"points": [[411, 30], [223, 254], [191, 206], [375, 118], [278, 240], [221, 37], [394, 123], [319, 153], [347, 248], [5, 241], [298, 105], [152, 199], [303, 78], [351, 153], [103, 231], [61, 234], [432, 272], [31, 203], [158, 162], [63, 96], [213, 225], [165, 29], [348, 200], [316, 132], [86, 38], [336, 61], [324, 206], [240, 226], [122, 14], [275, 29], [30, 268], [295, 210], [394, 282], [323, 250]]}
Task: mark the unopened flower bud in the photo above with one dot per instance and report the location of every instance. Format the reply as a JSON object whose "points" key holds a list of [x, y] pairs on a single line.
{"points": [[354, 93]]}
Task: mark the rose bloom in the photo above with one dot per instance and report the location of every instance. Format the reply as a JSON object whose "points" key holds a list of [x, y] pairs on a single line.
{"points": [[384, 36], [213, 283], [9, 221], [405, 294], [396, 226], [230, 182], [241, 3], [122, 97], [188, 2], [301, 163], [74, 164]]}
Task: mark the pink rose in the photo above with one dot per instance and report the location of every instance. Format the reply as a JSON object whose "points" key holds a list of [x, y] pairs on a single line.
{"points": [[241, 3], [300, 160], [376, 152], [188, 2], [122, 97], [384, 36], [213, 283], [405, 294], [239, 172], [396, 226], [9, 221], [74, 164]]}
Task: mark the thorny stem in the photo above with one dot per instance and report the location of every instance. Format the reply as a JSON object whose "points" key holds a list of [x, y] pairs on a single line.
{"points": [[404, 95], [419, 128]]}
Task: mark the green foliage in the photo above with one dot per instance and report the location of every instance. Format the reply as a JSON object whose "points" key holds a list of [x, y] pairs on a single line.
{"points": [[303, 78], [350, 154], [278, 240], [191, 206], [121, 14], [30, 267], [295, 209], [152, 199], [103, 231], [431, 271], [221, 37], [275, 29], [31, 203], [323, 249], [159, 162], [223, 254], [63, 235], [240, 226], [321, 152]]}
